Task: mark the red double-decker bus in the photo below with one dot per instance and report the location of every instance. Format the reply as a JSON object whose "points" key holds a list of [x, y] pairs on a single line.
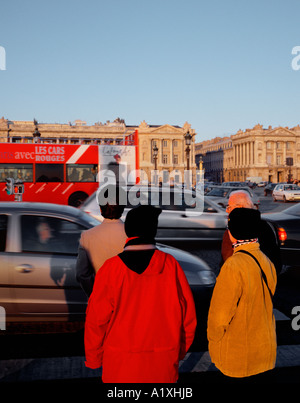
{"points": [[56, 173]]}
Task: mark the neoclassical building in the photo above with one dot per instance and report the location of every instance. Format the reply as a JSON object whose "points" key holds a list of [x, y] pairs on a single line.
{"points": [[168, 139], [171, 146], [272, 154]]}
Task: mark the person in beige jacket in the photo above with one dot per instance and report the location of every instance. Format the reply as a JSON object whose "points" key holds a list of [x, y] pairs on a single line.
{"points": [[241, 325], [99, 244]]}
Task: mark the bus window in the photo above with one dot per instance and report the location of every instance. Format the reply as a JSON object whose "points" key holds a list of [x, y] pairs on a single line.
{"points": [[16, 171], [82, 172], [49, 172]]}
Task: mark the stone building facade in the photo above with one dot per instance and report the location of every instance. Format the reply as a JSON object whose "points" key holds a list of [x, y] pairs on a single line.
{"points": [[272, 154], [214, 156], [169, 140]]}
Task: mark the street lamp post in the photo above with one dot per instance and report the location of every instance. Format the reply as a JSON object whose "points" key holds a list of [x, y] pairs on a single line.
{"points": [[188, 142], [155, 156]]}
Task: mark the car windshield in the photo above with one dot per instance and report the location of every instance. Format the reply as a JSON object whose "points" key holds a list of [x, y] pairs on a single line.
{"points": [[294, 210], [219, 192], [291, 187]]}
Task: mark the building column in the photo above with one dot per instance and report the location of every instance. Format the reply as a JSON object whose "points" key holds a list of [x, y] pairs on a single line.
{"points": [[255, 159], [248, 153], [241, 154], [284, 154], [234, 155], [274, 154]]}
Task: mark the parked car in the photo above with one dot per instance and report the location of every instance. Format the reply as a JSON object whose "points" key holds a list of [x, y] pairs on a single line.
{"points": [[262, 184], [287, 223], [286, 192], [179, 221], [221, 195], [268, 190], [38, 251]]}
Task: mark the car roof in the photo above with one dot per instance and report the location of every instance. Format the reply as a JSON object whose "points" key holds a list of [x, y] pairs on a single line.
{"points": [[233, 188]]}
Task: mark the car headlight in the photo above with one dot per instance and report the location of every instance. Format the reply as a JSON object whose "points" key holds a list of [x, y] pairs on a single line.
{"points": [[203, 277]]}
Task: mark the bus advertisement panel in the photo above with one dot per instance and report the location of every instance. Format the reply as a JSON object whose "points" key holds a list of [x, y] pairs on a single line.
{"points": [[117, 164]]}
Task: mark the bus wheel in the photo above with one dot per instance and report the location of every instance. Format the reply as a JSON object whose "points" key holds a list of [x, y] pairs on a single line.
{"points": [[77, 198]]}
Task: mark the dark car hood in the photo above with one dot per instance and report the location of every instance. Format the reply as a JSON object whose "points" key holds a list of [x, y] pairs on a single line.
{"points": [[278, 216]]}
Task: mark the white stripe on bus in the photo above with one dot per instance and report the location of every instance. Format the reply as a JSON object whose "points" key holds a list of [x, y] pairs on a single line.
{"points": [[78, 153], [53, 190], [67, 188]]}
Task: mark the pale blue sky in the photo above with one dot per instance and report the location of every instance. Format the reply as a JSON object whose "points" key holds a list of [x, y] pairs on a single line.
{"points": [[220, 65]]}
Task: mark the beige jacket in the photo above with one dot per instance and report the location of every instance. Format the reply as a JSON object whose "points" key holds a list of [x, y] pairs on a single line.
{"points": [[104, 241]]}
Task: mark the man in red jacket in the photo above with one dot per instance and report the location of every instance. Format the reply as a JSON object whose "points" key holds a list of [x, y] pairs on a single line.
{"points": [[141, 317]]}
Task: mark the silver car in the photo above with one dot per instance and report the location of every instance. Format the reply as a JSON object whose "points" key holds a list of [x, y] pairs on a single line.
{"points": [[38, 252], [186, 216], [221, 194]]}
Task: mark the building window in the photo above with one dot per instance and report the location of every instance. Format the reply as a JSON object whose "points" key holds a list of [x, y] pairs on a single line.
{"points": [[288, 145], [278, 159], [269, 159], [175, 143], [16, 139], [278, 145], [165, 158], [269, 145], [165, 143]]}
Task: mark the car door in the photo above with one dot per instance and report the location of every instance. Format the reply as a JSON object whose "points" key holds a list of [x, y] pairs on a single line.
{"points": [[44, 270], [193, 219], [281, 192], [7, 302], [209, 225], [276, 192]]}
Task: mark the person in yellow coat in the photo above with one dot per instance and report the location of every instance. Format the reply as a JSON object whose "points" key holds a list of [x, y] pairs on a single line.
{"points": [[241, 326]]}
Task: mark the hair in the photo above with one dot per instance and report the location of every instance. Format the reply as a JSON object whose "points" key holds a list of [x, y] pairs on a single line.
{"points": [[109, 198], [241, 199], [111, 212]]}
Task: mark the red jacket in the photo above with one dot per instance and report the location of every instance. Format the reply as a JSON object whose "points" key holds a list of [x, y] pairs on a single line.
{"points": [[138, 326]]}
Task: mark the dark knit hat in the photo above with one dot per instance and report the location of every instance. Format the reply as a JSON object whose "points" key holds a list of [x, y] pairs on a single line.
{"points": [[142, 221], [244, 223]]}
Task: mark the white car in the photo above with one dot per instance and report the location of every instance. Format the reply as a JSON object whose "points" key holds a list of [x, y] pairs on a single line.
{"points": [[286, 192]]}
